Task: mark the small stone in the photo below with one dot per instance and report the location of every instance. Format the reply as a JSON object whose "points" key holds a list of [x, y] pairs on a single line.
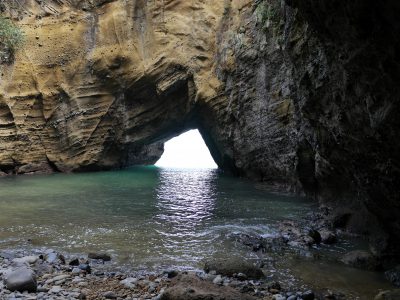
{"points": [[241, 276], [102, 256], [42, 289], [315, 235], [61, 277], [109, 295], [328, 237], [86, 268], [74, 262], [51, 257], [278, 297], [274, 286], [55, 289], [75, 271], [129, 282], [172, 273], [82, 283], [218, 280]]}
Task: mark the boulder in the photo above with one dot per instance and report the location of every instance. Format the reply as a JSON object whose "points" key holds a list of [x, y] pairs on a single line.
{"points": [[233, 266], [21, 279], [190, 287]]}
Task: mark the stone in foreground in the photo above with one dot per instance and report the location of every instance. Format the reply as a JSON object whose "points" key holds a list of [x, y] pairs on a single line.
{"points": [[190, 287], [21, 279], [232, 266]]}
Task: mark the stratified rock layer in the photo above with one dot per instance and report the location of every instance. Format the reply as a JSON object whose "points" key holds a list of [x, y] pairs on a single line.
{"points": [[302, 94]]}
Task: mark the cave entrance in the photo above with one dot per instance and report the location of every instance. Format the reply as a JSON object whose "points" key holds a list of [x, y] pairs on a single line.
{"points": [[187, 150]]}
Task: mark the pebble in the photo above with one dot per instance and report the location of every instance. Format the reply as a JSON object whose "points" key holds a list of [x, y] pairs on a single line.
{"points": [[55, 289], [110, 295], [218, 280]]}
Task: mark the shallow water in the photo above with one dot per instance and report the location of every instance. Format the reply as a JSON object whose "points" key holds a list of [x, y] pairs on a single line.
{"points": [[148, 217]]}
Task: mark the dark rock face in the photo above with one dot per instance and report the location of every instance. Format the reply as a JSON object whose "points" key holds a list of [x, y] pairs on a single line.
{"points": [[314, 104]]}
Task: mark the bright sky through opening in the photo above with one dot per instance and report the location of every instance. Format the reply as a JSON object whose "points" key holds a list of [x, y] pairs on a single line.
{"points": [[186, 151]]}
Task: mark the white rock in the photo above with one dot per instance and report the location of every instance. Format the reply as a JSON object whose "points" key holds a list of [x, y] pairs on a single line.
{"points": [[218, 280], [55, 289], [25, 260]]}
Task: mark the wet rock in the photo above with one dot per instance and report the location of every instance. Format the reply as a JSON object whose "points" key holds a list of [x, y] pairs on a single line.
{"points": [[241, 276], [328, 237], [393, 276], [218, 280], [315, 235], [388, 295], [361, 259], [101, 256], [308, 295], [86, 268], [229, 267], [129, 282], [190, 287], [276, 286], [21, 279], [255, 242], [172, 273], [55, 289], [74, 262]]}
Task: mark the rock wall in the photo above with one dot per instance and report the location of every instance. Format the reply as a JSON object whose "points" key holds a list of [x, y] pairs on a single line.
{"points": [[300, 94]]}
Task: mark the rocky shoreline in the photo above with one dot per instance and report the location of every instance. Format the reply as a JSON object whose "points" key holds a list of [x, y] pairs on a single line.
{"points": [[51, 276], [48, 274]]}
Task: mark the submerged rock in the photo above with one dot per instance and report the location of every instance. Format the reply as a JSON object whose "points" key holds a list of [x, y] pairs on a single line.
{"points": [[361, 259], [233, 266], [101, 256], [21, 279]]}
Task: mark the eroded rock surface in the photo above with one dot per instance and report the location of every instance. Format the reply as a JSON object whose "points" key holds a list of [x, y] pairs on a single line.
{"points": [[301, 94]]}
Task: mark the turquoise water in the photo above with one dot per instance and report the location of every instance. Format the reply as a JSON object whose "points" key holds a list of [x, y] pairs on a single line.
{"points": [[146, 216], [154, 218]]}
